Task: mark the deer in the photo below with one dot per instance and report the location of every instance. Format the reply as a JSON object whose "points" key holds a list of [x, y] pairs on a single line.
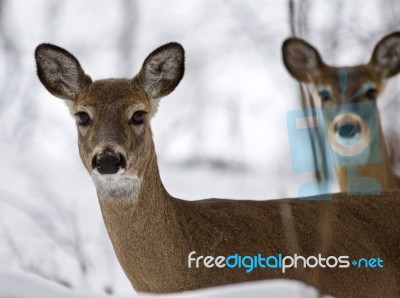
{"points": [[343, 93], [166, 244]]}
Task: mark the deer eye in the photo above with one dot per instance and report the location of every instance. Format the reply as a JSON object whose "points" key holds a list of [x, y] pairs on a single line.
{"points": [[325, 95], [83, 118], [137, 118], [371, 93]]}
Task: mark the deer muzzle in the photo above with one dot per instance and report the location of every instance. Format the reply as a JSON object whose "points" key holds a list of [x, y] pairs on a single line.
{"points": [[348, 134]]}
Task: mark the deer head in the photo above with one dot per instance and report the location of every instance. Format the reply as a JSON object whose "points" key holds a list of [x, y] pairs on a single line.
{"points": [[363, 82], [112, 115], [348, 97]]}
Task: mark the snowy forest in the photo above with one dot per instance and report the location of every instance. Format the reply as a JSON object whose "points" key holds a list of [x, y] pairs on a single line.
{"points": [[221, 134]]}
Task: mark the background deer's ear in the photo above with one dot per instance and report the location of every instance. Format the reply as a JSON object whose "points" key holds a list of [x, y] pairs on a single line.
{"points": [[301, 59], [386, 56], [162, 70], [60, 72]]}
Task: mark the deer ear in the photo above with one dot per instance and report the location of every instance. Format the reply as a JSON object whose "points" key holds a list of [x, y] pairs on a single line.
{"points": [[301, 59], [162, 70], [386, 56], [60, 72]]}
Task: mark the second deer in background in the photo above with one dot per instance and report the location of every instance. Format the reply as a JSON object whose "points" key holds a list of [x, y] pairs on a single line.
{"points": [[348, 98]]}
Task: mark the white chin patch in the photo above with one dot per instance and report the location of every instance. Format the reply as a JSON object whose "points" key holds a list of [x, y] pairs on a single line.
{"points": [[116, 185], [108, 177]]}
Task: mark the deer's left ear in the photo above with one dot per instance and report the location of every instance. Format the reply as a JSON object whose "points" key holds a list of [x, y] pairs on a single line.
{"points": [[162, 70], [386, 56]]}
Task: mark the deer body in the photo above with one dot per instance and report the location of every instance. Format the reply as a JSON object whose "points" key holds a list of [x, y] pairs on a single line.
{"points": [[153, 233], [152, 241], [337, 87]]}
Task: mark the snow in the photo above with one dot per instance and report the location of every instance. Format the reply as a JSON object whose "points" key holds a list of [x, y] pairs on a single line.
{"points": [[23, 285]]}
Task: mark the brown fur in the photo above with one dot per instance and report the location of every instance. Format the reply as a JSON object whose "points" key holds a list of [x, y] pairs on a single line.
{"points": [[306, 65], [153, 237], [153, 233]]}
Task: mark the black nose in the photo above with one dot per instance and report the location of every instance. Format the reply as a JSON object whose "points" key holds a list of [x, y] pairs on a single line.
{"points": [[349, 129], [108, 164]]}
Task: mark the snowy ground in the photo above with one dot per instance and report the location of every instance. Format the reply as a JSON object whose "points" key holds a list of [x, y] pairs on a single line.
{"points": [[22, 285]]}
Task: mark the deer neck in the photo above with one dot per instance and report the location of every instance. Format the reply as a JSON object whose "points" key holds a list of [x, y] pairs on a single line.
{"points": [[143, 227], [382, 172]]}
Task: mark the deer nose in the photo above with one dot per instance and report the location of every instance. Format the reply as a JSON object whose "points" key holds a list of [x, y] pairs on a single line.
{"points": [[108, 164], [349, 130]]}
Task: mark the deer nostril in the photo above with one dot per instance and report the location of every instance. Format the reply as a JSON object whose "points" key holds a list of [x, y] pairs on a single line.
{"points": [[349, 129], [107, 164], [122, 161], [94, 162]]}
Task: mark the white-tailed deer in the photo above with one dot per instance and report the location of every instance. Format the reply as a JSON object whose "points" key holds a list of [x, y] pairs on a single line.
{"points": [[153, 233], [344, 93]]}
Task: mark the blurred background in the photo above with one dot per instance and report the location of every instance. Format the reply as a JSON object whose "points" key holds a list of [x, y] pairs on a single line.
{"points": [[222, 133]]}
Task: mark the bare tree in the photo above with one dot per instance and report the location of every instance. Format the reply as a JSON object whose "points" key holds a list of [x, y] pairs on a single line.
{"points": [[127, 38]]}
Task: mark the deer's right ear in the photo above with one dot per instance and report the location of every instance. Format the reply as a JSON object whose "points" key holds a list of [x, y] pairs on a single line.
{"points": [[301, 59], [162, 70], [60, 72]]}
